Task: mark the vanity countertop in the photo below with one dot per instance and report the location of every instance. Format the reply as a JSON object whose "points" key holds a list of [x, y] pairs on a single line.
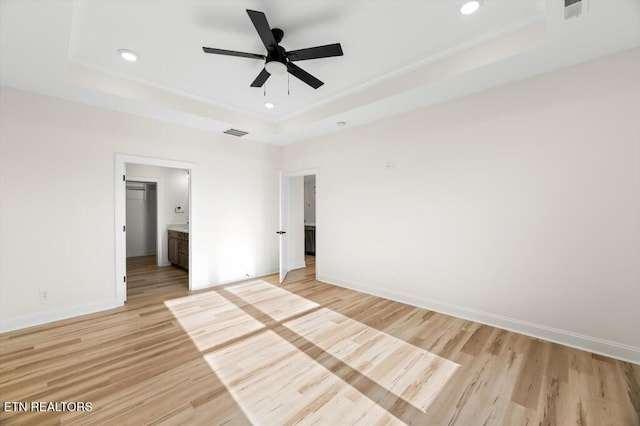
{"points": [[182, 227]]}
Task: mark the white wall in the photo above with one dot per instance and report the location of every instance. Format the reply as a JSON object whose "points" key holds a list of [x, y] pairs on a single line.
{"points": [[310, 199], [57, 216], [142, 219], [174, 185], [296, 222], [518, 206]]}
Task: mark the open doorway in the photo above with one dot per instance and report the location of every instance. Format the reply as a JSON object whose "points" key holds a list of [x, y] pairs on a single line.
{"points": [[298, 221], [154, 199], [142, 217], [309, 219], [157, 228]]}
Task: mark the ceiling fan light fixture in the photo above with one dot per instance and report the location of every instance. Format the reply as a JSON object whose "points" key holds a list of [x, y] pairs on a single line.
{"points": [[275, 67], [470, 6], [128, 55], [269, 105]]}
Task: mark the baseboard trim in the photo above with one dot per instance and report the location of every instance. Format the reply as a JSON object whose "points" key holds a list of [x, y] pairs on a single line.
{"points": [[235, 279], [26, 321], [575, 340], [141, 253], [298, 266]]}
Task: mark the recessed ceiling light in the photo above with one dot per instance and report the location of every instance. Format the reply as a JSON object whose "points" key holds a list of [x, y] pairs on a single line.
{"points": [[269, 105], [469, 6], [128, 55], [341, 123]]}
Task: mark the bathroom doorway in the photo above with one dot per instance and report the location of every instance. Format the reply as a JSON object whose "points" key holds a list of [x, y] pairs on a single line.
{"points": [[139, 181], [157, 228]]}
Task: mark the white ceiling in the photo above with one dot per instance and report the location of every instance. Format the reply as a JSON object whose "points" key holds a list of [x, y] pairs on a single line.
{"points": [[398, 55]]}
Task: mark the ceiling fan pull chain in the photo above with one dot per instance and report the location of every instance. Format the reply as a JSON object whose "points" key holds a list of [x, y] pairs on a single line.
{"points": [[288, 91]]}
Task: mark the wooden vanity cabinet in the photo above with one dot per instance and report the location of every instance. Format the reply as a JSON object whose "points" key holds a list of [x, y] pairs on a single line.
{"points": [[179, 249]]}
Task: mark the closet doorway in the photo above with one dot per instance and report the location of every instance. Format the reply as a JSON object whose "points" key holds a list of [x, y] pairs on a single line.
{"points": [[142, 218]]}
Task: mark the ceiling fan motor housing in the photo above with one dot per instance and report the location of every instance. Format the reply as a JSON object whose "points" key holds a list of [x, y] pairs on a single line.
{"points": [[277, 54], [277, 34]]}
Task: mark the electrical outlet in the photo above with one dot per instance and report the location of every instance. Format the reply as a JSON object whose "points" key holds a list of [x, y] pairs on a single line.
{"points": [[44, 295]]}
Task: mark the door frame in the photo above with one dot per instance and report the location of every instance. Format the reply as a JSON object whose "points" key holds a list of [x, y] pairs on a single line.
{"points": [[159, 213], [121, 161], [287, 175]]}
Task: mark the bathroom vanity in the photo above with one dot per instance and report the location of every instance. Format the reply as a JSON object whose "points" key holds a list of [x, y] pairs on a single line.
{"points": [[179, 245]]}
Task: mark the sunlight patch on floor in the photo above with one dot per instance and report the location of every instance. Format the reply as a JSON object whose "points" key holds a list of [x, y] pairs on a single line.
{"points": [[412, 373], [210, 320], [286, 359], [367, 350], [275, 383], [274, 301]]}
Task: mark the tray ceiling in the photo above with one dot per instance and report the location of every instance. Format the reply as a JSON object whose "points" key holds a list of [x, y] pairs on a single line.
{"points": [[398, 55]]}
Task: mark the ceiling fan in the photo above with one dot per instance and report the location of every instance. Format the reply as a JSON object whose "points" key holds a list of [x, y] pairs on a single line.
{"points": [[278, 60]]}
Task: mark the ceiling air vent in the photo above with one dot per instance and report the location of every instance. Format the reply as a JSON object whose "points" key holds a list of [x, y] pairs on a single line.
{"points": [[236, 132], [572, 8]]}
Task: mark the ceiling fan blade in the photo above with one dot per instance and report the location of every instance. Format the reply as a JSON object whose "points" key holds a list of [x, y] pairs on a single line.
{"points": [[298, 72], [262, 27], [325, 51], [232, 53], [261, 78]]}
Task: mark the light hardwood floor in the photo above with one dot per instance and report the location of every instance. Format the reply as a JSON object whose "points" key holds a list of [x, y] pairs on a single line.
{"points": [[304, 352]]}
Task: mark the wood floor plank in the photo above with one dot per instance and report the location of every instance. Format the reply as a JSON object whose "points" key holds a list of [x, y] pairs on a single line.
{"points": [[478, 340], [304, 352], [528, 384]]}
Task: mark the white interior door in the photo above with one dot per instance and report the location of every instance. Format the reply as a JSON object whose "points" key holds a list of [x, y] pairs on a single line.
{"points": [[282, 232]]}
